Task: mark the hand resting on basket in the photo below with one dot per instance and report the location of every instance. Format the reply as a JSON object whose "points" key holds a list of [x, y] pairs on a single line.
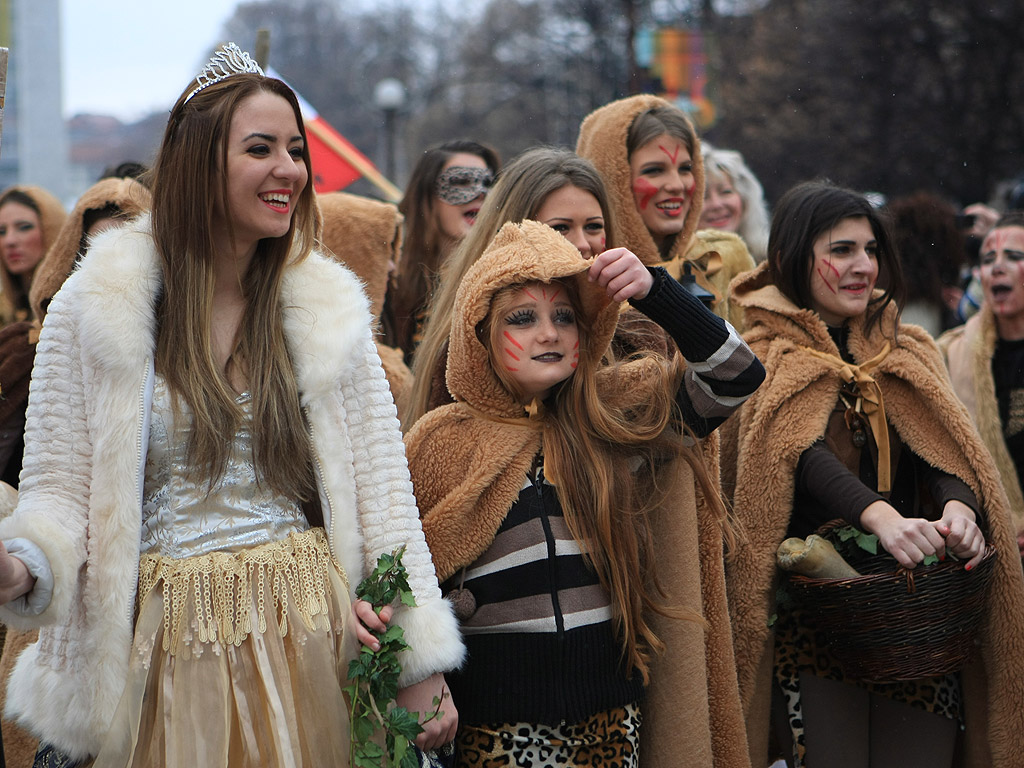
{"points": [[911, 539]]}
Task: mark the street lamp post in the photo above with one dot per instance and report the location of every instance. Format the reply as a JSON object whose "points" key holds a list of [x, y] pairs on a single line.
{"points": [[389, 97]]}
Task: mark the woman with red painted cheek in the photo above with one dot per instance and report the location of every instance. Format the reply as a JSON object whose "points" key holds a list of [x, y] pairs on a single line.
{"points": [[30, 218], [545, 495], [986, 357], [857, 422], [649, 155]]}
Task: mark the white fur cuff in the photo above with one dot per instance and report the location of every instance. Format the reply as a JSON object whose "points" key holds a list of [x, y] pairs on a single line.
{"points": [[434, 639]]}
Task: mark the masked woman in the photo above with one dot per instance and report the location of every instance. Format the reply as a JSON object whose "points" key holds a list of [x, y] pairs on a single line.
{"points": [[858, 421], [444, 194], [212, 463]]}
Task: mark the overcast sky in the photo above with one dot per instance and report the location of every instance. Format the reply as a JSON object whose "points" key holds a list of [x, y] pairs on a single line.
{"points": [[130, 57]]}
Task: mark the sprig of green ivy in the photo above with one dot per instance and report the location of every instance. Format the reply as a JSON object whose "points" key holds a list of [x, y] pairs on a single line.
{"points": [[866, 541], [374, 678]]}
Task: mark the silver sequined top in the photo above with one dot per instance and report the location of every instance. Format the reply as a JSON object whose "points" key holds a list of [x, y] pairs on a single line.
{"points": [[179, 518]]}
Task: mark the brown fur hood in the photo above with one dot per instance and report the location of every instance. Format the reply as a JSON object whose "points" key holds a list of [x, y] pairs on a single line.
{"points": [[602, 140], [127, 194], [363, 234], [469, 461], [787, 414]]}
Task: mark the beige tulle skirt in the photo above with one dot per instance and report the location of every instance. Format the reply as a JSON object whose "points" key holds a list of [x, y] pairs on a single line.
{"points": [[238, 660]]}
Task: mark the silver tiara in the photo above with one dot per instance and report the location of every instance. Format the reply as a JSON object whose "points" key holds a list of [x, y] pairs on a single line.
{"points": [[229, 60]]}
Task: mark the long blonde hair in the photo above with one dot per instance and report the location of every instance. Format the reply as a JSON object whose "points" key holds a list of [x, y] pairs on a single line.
{"points": [[520, 191], [189, 177], [605, 460]]}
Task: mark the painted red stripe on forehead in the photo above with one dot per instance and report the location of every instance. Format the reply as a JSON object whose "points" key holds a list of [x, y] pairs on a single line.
{"points": [[671, 155]]}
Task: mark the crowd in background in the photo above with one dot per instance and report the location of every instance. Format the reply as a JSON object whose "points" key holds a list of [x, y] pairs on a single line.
{"points": [[592, 390]]}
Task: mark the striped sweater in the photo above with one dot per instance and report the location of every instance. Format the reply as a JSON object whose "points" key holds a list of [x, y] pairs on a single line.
{"points": [[541, 645]]}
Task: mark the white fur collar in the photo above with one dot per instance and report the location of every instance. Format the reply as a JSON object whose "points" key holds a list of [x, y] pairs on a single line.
{"points": [[326, 313]]}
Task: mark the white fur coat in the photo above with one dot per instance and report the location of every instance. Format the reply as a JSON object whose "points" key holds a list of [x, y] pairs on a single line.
{"points": [[81, 486]]}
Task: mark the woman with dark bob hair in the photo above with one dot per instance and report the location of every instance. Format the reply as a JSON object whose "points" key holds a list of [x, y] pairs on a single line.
{"points": [[212, 464], [857, 421]]}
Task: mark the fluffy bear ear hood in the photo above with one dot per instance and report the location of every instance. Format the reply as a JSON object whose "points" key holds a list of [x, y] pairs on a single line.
{"points": [[127, 194], [364, 235], [602, 140], [520, 253]]}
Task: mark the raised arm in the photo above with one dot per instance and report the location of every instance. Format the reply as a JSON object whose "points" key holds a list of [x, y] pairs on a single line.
{"points": [[722, 371]]}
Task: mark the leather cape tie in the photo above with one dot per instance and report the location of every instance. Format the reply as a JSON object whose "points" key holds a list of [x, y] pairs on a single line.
{"points": [[869, 402]]}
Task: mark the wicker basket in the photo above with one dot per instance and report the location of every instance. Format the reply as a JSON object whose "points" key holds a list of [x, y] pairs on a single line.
{"points": [[891, 624]]}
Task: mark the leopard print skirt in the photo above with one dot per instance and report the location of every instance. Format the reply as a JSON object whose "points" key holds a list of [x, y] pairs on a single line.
{"points": [[797, 647], [609, 739]]}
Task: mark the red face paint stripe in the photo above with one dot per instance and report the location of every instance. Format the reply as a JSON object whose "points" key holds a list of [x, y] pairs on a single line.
{"points": [[645, 191], [532, 297], [825, 280], [511, 354], [512, 340], [671, 155], [556, 295]]}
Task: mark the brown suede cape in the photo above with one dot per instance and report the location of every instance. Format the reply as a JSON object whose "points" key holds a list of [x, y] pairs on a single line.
{"points": [[787, 414], [366, 234], [469, 460], [602, 140], [968, 350]]}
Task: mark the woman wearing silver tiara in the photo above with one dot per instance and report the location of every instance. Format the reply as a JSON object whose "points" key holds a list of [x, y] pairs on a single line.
{"points": [[212, 463]]}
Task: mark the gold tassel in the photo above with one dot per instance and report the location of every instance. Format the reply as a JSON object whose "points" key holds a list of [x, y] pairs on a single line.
{"points": [[219, 589]]}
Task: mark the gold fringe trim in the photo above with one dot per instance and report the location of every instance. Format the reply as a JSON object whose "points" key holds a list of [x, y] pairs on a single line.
{"points": [[220, 588]]}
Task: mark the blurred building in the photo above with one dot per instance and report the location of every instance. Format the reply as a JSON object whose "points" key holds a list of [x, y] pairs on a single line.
{"points": [[34, 146]]}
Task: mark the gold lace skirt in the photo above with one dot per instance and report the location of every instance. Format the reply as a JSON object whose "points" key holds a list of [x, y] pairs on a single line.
{"points": [[238, 660]]}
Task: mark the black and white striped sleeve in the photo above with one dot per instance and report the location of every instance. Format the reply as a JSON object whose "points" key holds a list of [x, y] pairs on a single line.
{"points": [[721, 371]]}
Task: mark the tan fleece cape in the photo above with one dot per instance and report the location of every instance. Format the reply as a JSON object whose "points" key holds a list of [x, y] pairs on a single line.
{"points": [[469, 460], [51, 219], [788, 413], [18, 352], [127, 194], [602, 140], [366, 236], [968, 351]]}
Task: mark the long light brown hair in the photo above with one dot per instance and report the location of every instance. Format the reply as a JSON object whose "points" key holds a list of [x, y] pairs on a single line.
{"points": [[520, 191], [605, 458], [189, 177]]}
